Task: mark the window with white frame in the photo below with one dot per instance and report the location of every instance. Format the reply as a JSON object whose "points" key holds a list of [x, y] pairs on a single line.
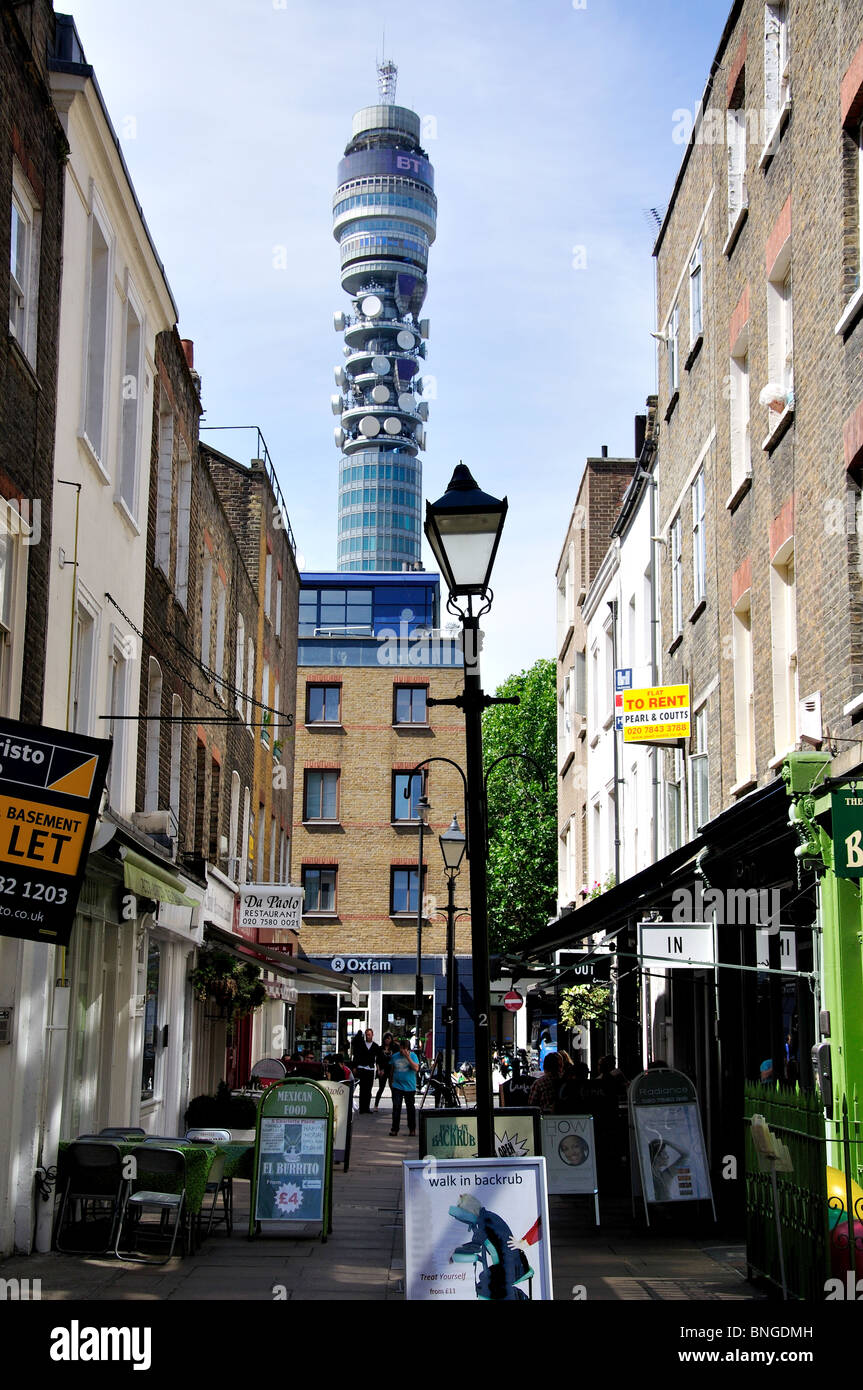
{"points": [[221, 604], [265, 700], [741, 445], [699, 547], [176, 755], [783, 615], [233, 824], [279, 601], [674, 828], [568, 721], [744, 691], [184, 517], [244, 851], [239, 661], [672, 349], [13, 600], [676, 548], [698, 770], [164, 484], [277, 704], [696, 295], [130, 414], [24, 265], [738, 198], [607, 695], [777, 83], [153, 738], [250, 682], [86, 638], [596, 714], [268, 583], [579, 692], [97, 357], [780, 335], [117, 707], [206, 610]]}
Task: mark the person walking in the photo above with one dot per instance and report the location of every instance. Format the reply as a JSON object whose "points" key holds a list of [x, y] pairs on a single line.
{"points": [[365, 1059], [385, 1059], [403, 1084], [544, 1091]]}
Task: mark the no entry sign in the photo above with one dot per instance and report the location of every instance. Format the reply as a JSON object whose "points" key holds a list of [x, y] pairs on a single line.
{"points": [[513, 1001]]}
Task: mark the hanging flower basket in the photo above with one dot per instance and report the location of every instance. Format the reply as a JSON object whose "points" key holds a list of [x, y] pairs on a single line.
{"points": [[232, 985]]}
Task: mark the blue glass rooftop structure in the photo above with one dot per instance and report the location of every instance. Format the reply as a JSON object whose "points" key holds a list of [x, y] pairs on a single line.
{"points": [[373, 619]]}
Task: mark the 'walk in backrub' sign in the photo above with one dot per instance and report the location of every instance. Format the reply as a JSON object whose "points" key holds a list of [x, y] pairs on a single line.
{"points": [[656, 712], [50, 787]]}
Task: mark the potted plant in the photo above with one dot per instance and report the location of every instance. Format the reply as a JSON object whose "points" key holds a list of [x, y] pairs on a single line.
{"points": [[234, 984], [584, 1004], [222, 1111]]}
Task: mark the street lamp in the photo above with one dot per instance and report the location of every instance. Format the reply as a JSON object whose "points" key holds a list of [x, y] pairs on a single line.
{"points": [[423, 808], [463, 529], [452, 843]]}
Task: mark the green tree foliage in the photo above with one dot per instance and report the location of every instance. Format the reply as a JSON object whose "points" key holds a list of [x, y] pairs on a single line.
{"points": [[522, 814]]}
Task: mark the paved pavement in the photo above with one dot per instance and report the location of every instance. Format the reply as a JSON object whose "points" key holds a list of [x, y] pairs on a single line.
{"points": [[363, 1259]]}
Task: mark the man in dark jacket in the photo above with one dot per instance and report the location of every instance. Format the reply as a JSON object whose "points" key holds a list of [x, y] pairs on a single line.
{"points": [[365, 1056]]}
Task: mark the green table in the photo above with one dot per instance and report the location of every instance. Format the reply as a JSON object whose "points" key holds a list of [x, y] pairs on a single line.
{"points": [[199, 1161]]}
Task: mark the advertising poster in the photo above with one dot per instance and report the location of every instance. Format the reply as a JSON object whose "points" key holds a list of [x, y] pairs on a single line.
{"points": [[668, 1139], [340, 1092], [292, 1169], [477, 1229], [453, 1133], [570, 1153]]}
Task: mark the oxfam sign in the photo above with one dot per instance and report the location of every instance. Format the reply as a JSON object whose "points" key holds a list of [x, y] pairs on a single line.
{"points": [[353, 965]]}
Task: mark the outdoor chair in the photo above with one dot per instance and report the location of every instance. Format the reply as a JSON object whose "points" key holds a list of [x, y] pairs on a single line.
{"points": [[170, 1164], [123, 1131], [217, 1181], [92, 1198]]}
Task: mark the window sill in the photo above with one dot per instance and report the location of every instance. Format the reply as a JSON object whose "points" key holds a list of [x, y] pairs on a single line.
{"points": [[745, 786], [693, 352], [405, 825], [608, 721], [775, 136], [123, 509], [567, 763], [672, 403], [739, 492], [23, 361], [854, 706], [406, 917], [698, 610], [850, 313], [418, 728], [780, 758], [322, 824], [93, 457], [780, 429], [321, 916], [582, 733], [322, 727], [594, 741], [675, 644], [735, 230]]}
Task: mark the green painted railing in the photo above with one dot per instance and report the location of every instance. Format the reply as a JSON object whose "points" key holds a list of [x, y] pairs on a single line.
{"points": [[797, 1118]]}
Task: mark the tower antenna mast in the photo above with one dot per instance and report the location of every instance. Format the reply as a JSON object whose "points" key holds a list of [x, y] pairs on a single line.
{"points": [[387, 78]]}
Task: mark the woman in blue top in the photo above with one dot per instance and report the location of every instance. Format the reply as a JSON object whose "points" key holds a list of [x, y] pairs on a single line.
{"points": [[403, 1084]]}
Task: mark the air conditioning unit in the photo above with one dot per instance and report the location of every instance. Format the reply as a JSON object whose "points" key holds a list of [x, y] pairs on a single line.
{"points": [[153, 822], [809, 720]]}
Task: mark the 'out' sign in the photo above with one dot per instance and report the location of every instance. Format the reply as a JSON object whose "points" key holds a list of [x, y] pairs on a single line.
{"points": [[847, 807]]}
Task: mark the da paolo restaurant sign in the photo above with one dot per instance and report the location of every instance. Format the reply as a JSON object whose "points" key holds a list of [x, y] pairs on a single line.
{"points": [[262, 905], [655, 713], [50, 787]]}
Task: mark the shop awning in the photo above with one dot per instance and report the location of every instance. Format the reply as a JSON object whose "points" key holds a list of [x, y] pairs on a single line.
{"points": [[148, 879]]}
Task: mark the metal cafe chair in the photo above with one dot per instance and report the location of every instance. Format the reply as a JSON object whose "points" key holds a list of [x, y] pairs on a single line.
{"points": [[123, 1132], [168, 1163], [217, 1182], [94, 1190]]}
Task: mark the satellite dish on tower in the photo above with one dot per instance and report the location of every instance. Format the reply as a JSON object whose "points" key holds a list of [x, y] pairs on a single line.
{"points": [[338, 321], [338, 436], [392, 425], [369, 426], [405, 340], [371, 306], [336, 404], [381, 365], [380, 394], [406, 401], [341, 377]]}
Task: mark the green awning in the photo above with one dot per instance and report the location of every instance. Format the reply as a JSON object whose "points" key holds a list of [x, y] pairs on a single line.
{"points": [[150, 880]]}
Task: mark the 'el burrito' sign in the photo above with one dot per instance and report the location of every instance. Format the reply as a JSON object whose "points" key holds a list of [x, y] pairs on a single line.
{"points": [[270, 906]]}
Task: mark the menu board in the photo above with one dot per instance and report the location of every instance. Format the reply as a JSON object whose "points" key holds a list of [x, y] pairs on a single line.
{"points": [[292, 1169]]}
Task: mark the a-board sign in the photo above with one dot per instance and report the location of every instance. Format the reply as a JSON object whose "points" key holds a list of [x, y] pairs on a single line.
{"points": [[342, 1097], [477, 1228], [292, 1180], [454, 1134], [51, 784], [666, 1133], [569, 1148], [516, 1090]]}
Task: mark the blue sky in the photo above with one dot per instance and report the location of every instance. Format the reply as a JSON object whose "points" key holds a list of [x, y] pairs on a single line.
{"points": [[551, 130]]}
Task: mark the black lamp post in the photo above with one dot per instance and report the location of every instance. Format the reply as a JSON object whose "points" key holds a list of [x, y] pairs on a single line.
{"points": [[463, 529], [423, 808], [452, 843]]}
